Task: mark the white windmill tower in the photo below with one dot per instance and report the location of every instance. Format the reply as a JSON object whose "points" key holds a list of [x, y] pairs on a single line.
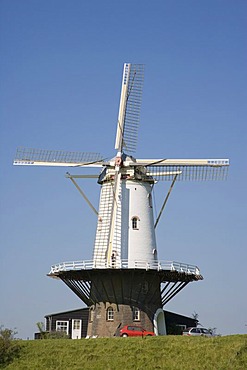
{"points": [[125, 282]]}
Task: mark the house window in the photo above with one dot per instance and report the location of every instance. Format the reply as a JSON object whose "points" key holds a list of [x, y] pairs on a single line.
{"points": [[134, 221], [62, 326], [109, 314], [136, 314]]}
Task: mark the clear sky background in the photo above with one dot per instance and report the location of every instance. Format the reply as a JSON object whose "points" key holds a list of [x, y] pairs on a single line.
{"points": [[61, 68]]}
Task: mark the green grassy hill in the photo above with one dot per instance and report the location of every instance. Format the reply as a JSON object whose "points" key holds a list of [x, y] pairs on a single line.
{"points": [[169, 352]]}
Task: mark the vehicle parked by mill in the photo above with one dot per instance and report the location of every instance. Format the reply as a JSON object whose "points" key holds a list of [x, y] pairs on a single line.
{"points": [[203, 332], [135, 331]]}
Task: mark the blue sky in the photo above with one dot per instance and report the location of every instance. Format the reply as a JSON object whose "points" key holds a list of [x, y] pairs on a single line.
{"points": [[61, 67]]}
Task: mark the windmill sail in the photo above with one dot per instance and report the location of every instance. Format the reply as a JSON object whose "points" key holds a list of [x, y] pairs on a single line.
{"points": [[185, 169], [129, 109], [41, 157]]}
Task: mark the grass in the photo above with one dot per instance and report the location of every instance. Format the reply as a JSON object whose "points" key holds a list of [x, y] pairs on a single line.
{"points": [[169, 352]]}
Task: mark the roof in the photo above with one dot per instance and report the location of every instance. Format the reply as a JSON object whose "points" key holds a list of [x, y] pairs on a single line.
{"points": [[64, 312]]}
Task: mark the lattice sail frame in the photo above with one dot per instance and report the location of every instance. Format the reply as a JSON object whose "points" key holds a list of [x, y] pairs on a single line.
{"points": [[129, 108], [188, 173], [185, 169], [29, 156]]}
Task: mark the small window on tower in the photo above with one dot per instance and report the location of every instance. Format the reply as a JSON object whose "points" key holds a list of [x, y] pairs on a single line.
{"points": [[109, 314], [136, 314], [135, 221]]}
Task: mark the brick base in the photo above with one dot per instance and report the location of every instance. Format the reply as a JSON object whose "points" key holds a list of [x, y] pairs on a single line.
{"points": [[121, 293]]}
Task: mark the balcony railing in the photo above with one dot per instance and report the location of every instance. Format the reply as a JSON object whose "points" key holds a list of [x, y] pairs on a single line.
{"points": [[125, 264]]}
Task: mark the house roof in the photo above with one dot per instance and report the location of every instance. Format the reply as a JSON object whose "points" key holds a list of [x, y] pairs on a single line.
{"points": [[64, 312]]}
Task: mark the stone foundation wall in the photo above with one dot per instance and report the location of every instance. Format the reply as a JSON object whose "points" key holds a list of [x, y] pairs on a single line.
{"points": [[99, 325], [121, 293]]}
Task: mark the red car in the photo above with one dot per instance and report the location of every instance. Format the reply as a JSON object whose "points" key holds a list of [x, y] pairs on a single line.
{"points": [[134, 331]]}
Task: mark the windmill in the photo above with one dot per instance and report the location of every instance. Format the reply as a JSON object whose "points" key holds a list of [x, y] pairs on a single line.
{"points": [[125, 282]]}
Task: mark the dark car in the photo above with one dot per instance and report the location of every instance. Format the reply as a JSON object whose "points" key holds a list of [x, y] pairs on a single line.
{"points": [[134, 331]]}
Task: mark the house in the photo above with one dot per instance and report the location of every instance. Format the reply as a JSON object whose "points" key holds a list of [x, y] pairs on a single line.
{"points": [[75, 323], [176, 323]]}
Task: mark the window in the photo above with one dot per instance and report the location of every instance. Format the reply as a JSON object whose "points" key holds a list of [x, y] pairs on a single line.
{"points": [[205, 331], [196, 330], [62, 326], [109, 314], [135, 222], [76, 324], [136, 314], [136, 328], [113, 259]]}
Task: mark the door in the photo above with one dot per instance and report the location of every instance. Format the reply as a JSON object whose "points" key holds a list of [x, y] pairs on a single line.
{"points": [[159, 322], [76, 329]]}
